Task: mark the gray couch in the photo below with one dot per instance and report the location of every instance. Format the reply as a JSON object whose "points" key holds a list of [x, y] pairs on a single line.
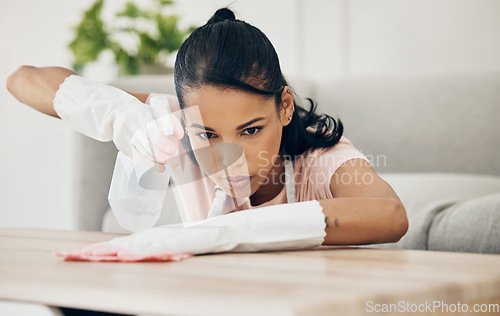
{"points": [[433, 138]]}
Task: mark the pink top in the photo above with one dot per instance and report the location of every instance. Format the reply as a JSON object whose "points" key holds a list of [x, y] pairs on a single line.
{"points": [[313, 171]]}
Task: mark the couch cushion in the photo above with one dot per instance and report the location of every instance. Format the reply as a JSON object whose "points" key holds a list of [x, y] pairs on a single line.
{"points": [[470, 226], [425, 195]]}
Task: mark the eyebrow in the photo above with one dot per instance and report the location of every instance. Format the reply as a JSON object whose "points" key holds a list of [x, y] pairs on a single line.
{"points": [[242, 126]]}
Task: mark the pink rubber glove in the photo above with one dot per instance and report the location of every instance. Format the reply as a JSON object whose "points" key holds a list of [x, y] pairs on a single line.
{"points": [[105, 251]]}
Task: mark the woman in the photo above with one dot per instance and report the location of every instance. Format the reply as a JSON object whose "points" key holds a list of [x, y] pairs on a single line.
{"points": [[230, 72]]}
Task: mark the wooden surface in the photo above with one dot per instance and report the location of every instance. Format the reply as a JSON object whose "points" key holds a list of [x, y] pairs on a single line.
{"points": [[323, 281]]}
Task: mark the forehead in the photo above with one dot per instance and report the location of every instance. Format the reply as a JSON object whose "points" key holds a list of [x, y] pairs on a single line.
{"points": [[222, 105]]}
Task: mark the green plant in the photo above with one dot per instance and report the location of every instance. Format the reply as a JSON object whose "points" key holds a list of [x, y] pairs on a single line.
{"points": [[152, 45]]}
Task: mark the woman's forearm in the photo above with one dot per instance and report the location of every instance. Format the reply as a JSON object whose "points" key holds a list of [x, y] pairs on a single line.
{"points": [[358, 221], [37, 87]]}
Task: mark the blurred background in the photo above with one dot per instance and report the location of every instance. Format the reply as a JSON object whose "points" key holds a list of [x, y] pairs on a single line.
{"points": [[317, 40]]}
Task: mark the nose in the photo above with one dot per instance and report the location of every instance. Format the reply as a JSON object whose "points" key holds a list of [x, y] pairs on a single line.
{"points": [[227, 154]]}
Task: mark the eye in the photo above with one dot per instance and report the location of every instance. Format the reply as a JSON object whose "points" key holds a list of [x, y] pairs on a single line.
{"points": [[251, 130], [205, 135]]}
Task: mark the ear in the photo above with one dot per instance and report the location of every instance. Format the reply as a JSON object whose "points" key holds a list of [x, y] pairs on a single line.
{"points": [[287, 106]]}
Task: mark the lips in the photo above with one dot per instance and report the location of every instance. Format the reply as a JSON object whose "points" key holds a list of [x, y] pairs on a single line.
{"points": [[237, 182]]}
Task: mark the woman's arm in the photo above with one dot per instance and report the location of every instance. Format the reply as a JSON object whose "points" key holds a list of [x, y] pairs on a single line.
{"points": [[37, 87], [365, 210]]}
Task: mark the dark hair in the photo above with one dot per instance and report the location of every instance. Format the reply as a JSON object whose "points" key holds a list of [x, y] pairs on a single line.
{"points": [[228, 52]]}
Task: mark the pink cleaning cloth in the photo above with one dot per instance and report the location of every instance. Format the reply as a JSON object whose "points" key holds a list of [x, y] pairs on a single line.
{"points": [[105, 252]]}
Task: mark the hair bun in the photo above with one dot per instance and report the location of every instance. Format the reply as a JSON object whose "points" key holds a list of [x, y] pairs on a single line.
{"points": [[222, 15]]}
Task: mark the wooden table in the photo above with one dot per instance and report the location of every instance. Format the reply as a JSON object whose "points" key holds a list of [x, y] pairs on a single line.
{"points": [[323, 281]]}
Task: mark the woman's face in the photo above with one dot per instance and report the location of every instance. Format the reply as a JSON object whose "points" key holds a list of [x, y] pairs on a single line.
{"points": [[233, 122]]}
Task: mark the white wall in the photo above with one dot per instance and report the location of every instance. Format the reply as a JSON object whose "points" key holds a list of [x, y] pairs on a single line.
{"points": [[316, 39], [35, 164], [369, 38], [422, 36]]}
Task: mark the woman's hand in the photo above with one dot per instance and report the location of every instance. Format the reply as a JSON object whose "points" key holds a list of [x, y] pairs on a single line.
{"points": [[279, 227], [107, 113]]}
